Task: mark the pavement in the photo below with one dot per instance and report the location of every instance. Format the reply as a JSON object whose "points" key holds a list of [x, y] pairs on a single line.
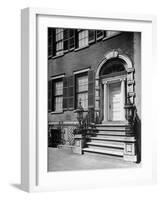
{"points": [[65, 160]]}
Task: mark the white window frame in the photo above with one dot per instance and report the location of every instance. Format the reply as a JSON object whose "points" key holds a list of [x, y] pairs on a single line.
{"points": [[56, 79], [82, 39], [79, 93]]}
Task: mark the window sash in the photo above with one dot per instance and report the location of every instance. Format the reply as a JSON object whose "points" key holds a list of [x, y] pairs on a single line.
{"points": [[58, 96], [59, 34], [58, 103], [82, 84], [82, 38], [69, 39], [83, 97], [59, 88], [99, 34], [59, 41], [82, 91]]}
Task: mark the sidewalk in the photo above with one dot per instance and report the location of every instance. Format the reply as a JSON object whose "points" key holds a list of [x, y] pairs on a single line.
{"points": [[62, 160]]}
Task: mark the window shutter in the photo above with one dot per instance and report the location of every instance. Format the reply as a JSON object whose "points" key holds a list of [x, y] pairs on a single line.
{"points": [[76, 38], [71, 92], [91, 84], [49, 96], [52, 95], [54, 43], [65, 93]]}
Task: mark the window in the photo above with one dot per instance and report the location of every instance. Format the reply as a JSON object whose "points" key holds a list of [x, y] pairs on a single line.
{"points": [[91, 35], [99, 34], [58, 95], [82, 91], [63, 40], [69, 39], [82, 38], [109, 34], [59, 41]]}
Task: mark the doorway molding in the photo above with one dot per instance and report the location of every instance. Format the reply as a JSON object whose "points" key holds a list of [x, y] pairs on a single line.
{"points": [[114, 54], [130, 78]]}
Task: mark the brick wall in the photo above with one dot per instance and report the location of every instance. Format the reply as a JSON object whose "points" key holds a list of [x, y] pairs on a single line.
{"points": [[125, 43]]}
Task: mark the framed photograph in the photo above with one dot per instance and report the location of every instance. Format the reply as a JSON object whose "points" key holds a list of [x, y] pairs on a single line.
{"points": [[87, 117]]}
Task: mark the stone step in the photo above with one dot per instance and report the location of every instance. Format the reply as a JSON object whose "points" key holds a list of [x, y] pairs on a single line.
{"points": [[105, 141], [114, 138], [111, 128], [107, 144], [105, 152], [116, 124], [103, 132], [109, 136], [105, 148]]}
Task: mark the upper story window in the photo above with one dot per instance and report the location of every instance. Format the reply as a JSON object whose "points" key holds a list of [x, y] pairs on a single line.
{"points": [[59, 41], [99, 34], [69, 39], [58, 95], [82, 90], [109, 34], [62, 40], [82, 38], [91, 36]]}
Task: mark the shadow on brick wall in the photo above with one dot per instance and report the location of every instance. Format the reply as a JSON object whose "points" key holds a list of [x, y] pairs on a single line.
{"points": [[137, 129]]}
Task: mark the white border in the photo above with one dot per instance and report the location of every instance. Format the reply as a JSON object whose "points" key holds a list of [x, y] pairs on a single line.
{"points": [[34, 101]]}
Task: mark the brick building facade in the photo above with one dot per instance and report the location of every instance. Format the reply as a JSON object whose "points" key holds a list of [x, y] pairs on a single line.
{"points": [[102, 70]]}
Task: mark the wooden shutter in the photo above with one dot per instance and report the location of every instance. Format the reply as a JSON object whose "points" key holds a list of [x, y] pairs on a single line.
{"points": [[91, 84], [54, 42], [76, 38], [52, 95], [51, 42], [65, 93], [71, 92], [49, 96]]}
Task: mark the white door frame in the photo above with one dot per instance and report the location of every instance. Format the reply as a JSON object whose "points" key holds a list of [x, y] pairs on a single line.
{"points": [[106, 82]]}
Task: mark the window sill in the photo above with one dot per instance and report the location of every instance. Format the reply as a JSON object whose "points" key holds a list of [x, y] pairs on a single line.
{"points": [[81, 48], [99, 38], [58, 56], [69, 50], [56, 112], [91, 41]]}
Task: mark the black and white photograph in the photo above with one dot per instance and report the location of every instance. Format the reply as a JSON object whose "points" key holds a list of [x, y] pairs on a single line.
{"points": [[94, 99]]}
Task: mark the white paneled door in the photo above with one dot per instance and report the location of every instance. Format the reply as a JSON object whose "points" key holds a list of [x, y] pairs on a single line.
{"points": [[115, 105]]}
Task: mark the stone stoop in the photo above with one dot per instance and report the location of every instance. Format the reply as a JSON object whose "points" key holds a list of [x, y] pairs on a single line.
{"points": [[112, 140]]}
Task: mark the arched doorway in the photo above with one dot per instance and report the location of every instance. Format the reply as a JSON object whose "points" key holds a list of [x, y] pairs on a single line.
{"points": [[114, 84]]}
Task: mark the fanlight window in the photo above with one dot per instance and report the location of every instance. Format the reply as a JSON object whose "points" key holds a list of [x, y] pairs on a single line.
{"points": [[113, 66]]}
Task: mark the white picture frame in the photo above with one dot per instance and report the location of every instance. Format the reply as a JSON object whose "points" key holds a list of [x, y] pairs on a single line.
{"points": [[34, 175]]}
